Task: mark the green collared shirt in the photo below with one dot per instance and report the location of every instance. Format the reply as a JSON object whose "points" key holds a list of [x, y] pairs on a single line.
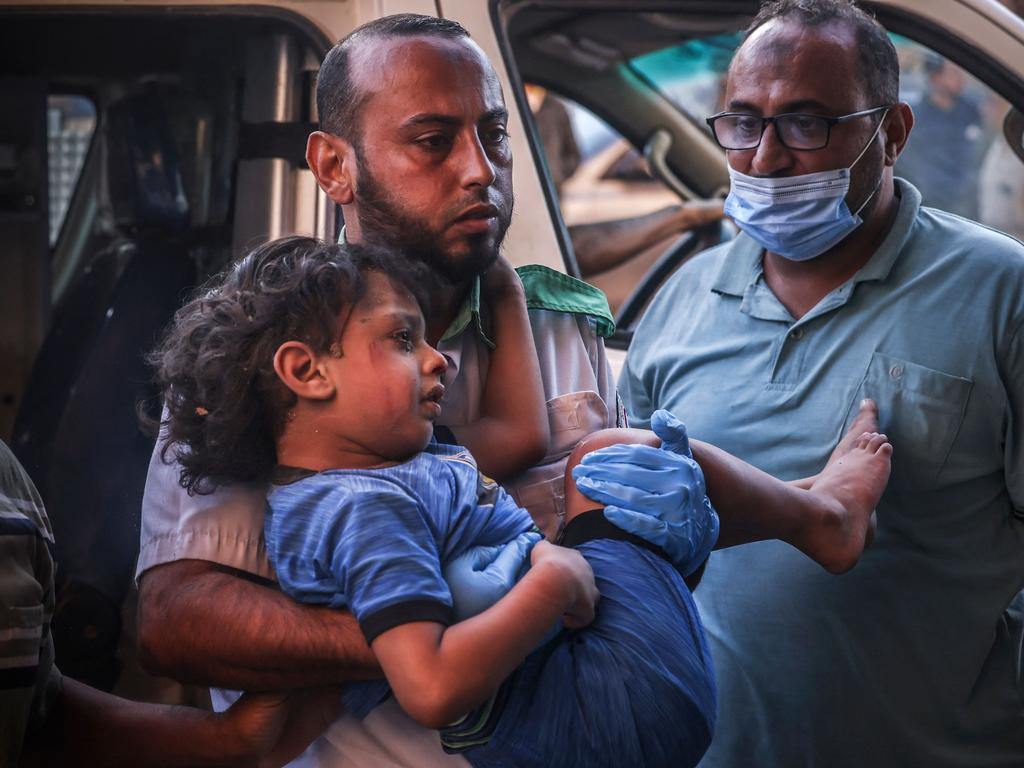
{"points": [[911, 658], [547, 289]]}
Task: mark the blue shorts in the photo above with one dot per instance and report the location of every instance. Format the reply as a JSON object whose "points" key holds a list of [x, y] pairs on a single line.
{"points": [[635, 688]]}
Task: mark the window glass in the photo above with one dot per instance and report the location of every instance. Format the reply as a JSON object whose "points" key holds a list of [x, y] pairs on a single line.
{"points": [[71, 123], [600, 179], [957, 155], [691, 75]]}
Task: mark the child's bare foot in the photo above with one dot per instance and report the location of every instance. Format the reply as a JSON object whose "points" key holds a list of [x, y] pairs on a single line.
{"points": [[866, 421], [846, 493]]}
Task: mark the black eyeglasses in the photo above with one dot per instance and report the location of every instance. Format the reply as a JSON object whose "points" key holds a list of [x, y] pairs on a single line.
{"points": [[739, 131]]}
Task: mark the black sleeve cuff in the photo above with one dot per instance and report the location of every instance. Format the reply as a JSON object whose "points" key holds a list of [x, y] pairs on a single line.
{"points": [[594, 525], [392, 616]]}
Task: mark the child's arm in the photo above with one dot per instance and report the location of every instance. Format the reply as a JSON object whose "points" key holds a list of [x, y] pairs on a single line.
{"points": [[511, 434], [439, 674]]}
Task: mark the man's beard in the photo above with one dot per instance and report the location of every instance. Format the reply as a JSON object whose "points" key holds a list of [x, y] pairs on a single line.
{"points": [[383, 220]]}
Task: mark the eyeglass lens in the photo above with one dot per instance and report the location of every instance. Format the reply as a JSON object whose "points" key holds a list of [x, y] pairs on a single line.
{"points": [[796, 131]]}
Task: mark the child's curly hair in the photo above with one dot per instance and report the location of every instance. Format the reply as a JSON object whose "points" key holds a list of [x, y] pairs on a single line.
{"points": [[225, 404]]}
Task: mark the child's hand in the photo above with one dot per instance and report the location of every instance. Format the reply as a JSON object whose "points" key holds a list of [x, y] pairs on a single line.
{"points": [[573, 574], [501, 281]]}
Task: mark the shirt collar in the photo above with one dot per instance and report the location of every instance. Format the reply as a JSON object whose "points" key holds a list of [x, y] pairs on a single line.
{"points": [[468, 313], [742, 266]]}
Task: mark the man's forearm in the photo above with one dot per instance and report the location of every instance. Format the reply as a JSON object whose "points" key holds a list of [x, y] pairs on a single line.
{"points": [[199, 623], [90, 727], [606, 244]]}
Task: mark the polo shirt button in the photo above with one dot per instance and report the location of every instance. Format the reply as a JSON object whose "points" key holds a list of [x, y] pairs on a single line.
{"points": [[896, 371], [796, 334]]}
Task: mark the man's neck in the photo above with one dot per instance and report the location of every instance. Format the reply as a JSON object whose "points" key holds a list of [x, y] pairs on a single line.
{"points": [[444, 300], [800, 285]]}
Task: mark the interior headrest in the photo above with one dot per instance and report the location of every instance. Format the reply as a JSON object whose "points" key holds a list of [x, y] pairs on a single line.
{"points": [[143, 173]]}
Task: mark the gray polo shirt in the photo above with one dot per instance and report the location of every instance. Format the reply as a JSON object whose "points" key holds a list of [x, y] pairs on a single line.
{"points": [[912, 658]]}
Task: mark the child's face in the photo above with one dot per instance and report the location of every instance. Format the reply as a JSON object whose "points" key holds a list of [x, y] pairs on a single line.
{"points": [[388, 378]]}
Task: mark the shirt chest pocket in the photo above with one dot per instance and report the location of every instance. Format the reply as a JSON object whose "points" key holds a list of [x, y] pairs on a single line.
{"points": [[920, 411], [541, 489], [571, 418]]}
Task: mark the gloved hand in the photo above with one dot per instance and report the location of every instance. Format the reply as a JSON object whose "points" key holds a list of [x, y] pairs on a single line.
{"points": [[481, 576], [657, 494]]}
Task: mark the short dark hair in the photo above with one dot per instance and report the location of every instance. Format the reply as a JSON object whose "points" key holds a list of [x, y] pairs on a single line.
{"points": [[879, 64], [225, 405], [338, 101]]}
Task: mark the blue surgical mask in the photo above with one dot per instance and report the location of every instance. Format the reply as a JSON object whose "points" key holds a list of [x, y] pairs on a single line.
{"points": [[797, 217]]}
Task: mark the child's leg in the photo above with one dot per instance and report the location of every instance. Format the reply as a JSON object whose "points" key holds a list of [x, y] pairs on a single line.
{"points": [[635, 687], [575, 502], [828, 517]]}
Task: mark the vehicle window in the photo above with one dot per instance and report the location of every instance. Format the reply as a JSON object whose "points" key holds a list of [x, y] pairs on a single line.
{"points": [[600, 179], [957, 156], [691, 75], [71, 123]]}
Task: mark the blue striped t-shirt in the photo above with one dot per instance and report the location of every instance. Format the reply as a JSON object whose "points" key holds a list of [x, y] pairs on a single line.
{"points": [[375, 541]]}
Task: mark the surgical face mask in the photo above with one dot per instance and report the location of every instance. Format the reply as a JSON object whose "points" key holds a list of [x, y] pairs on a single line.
{"points": [[797, 217]]}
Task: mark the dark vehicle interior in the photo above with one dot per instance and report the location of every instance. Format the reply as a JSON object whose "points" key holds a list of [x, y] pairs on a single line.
{"points": [[191, 123]]}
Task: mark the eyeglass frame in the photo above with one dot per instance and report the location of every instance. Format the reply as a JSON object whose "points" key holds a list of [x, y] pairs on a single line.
{"points": [[831, 122]]}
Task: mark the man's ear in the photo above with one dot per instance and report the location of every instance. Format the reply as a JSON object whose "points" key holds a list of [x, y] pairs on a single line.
{"points": [[332, 161], [899, 123], [300, 369]]}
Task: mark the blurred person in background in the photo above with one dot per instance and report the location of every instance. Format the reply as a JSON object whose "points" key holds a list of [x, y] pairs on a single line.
{"points": [[942, 162], [604, 245], [1001, 180]]}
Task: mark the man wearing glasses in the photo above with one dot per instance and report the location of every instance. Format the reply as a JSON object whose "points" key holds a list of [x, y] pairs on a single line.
{"points": [[840, 287]]}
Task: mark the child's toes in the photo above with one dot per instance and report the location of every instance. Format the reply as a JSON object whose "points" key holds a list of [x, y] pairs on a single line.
{"points": [[877, 441]]}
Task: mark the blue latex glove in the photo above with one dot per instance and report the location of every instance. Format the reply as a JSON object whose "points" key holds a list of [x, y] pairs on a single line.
{"points": [[481, 576], [657, 494]]}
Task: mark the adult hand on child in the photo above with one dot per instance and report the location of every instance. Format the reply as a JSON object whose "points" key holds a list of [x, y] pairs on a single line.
{"points": [[481, 576], [657, 494]]}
